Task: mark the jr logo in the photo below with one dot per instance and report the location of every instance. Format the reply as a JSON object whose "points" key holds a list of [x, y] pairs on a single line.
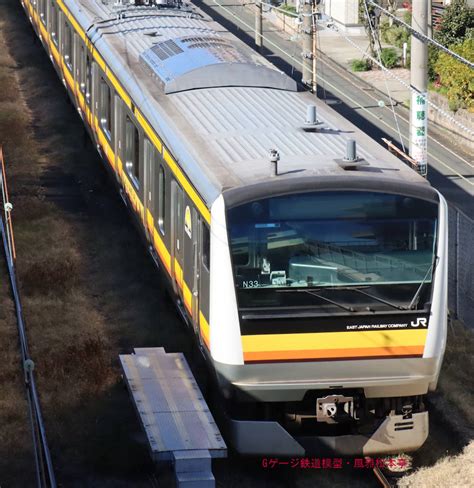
{"points": [[419, 321]]}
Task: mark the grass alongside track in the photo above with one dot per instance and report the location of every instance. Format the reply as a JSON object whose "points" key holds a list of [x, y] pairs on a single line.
{"points": [[16, 455], [452, 420], [456, 382], [90, 292], [450, 471]]}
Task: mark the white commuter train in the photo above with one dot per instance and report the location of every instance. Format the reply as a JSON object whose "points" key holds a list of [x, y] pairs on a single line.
{"points": [[311, 263]]}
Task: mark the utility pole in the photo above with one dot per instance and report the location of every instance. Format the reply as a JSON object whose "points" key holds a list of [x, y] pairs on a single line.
{"points": [[430, 19], [258, 26], [419, 81], [307, 53], [314, 45]]}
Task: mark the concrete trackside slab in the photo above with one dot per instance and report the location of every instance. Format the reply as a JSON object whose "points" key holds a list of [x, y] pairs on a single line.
{"points": [[173, 413]]}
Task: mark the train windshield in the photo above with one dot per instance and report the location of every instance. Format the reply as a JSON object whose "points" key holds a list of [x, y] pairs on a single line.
{"points": [[323, 240]]}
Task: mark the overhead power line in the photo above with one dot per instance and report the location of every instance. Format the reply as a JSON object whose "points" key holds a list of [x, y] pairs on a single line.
{"points": [[299, 63], [344, 94], [379, 56], [422, 37], [404, 83]]}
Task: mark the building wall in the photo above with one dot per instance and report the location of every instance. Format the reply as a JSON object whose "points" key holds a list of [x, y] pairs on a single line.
{"points": [[344, 12]]}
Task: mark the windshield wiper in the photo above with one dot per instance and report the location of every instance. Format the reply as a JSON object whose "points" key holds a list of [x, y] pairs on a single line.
{"points": [[375, 297], [417, 293], [313, 292]]}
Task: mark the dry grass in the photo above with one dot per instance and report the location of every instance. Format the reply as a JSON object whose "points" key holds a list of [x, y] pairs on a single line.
{"points": [[89, 291], [8, 92], [12, 121], [84, 300], [68, 339], [451, 471], [443, 463], [66, 334], [52, 263], [457, 380], [15, 438]]}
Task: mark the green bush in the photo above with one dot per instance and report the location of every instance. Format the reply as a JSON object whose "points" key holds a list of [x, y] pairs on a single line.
{"points": [[407, 17], [389, 57], [457, 24], [384, 27], [433, 53], [360, 65], [395, 35], [457, 77], [288, 9]]}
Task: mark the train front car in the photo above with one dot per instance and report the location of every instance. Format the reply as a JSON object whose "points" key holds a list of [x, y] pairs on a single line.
{"points": [[328, 313]]}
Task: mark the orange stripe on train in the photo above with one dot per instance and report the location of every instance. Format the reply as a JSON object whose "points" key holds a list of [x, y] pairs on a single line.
{"points": [[354, 353]]}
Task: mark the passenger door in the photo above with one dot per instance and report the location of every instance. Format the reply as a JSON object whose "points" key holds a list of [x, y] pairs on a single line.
{"points": [[177, 238], [149, 186], [204, 263], [191, 262], [196, 269], [118, 134]]}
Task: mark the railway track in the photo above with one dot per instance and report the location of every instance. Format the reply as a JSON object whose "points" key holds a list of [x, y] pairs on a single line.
{"points": [[382, 478], [153, 482], [45, 476]]}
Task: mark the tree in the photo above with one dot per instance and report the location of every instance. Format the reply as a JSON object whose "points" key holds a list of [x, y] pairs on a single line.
{"points": [[457, 24], [371, 25], [457, 77], [392, 6]]}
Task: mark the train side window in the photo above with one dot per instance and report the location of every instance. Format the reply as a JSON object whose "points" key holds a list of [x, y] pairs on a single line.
{"points": [[81, 66], [149, 158], [88, 80], [67, 45], [53, 23], [162, 199], [42, 11], [206, 247], [132, 151], [118, 126], [105, 108]]}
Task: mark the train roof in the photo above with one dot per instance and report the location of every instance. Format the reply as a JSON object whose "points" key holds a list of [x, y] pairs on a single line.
{"points": [[220, 107]]}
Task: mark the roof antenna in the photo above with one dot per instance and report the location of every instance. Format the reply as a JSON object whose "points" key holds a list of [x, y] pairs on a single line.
{"points": [[351, 161], [351, 151], [311, 115], [274, 158], [311, 121]]}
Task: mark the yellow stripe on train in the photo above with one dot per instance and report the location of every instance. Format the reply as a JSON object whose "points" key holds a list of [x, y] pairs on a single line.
{"points": [[333, 345], [116, 162], [172, 164], [334, 340]]}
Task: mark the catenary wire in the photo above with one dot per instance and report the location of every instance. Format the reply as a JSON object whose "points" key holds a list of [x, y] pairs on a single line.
{"points": [[422, 37], [335, 88]]}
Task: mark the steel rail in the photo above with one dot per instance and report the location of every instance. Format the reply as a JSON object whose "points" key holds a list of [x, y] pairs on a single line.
{"points": [[5, 199], [45, 476], [381, 477]]}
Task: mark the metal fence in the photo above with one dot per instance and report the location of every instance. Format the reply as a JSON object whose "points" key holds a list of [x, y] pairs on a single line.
{"points": [[45, 476], [461, 266]]}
